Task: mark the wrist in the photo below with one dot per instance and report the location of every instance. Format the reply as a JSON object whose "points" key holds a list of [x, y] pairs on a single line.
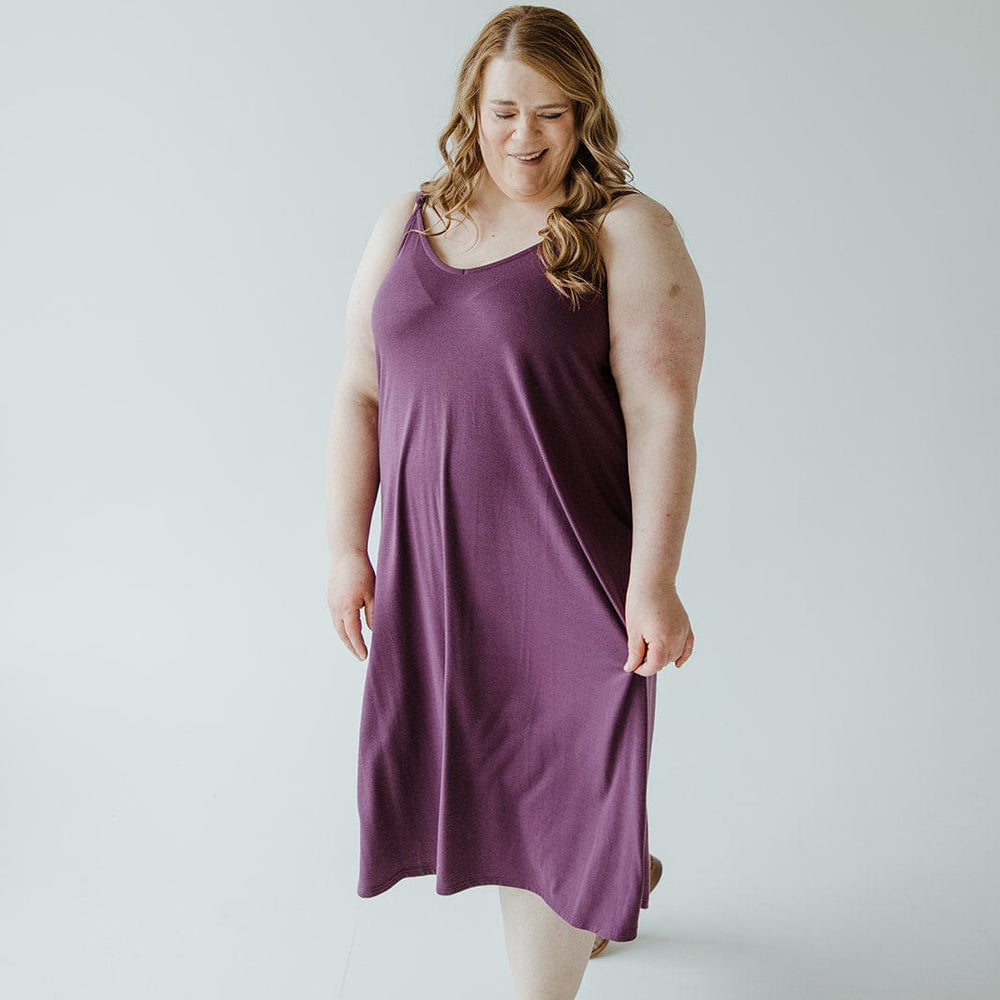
{"points": [[652, 576], [340, 552]]}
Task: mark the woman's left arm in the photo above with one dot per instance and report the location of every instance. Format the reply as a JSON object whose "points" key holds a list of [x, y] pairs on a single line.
{"points": [[656, 310]]}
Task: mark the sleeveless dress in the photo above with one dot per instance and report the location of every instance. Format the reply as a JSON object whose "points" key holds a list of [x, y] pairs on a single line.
{"points": [[501, 742]]}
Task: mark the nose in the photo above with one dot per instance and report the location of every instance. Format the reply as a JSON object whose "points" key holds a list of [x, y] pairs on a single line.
{"points": [[526, 127]]}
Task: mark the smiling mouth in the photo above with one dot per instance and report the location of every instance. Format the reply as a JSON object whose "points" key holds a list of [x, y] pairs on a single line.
{"points": [[529, 157]]}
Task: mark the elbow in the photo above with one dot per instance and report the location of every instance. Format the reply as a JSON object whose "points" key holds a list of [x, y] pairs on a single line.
{"points": [[674, 404]]}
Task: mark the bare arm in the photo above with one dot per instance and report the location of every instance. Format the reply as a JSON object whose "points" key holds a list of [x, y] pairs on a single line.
{"points": [[657, 315], [352, 471]]}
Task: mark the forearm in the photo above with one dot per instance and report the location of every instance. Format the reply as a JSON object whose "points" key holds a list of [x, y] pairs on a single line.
{"points": [[352, 471], [662, 458]]}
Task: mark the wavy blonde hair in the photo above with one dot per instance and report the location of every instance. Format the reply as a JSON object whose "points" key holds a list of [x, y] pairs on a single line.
{"points": [[550, 42]]}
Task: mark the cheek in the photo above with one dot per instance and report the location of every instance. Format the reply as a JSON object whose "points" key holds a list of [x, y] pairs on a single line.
{"points": [[567, 140], [491, 137]]}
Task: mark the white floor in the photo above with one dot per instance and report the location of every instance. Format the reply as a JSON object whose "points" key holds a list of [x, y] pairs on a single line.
{"points": [[920, 935]]}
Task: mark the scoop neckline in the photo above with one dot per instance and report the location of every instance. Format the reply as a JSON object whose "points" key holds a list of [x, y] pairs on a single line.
{"points": [[432, 253]]}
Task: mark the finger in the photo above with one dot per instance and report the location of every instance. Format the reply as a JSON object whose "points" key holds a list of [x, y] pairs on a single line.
{"points": [[688, 649], [647, 668], [657, 654], [352, 625], [636, 652], [369, 610], [338, 624]]}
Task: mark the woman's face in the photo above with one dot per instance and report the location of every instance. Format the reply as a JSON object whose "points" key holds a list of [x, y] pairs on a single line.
{"points": [[523, 112]]}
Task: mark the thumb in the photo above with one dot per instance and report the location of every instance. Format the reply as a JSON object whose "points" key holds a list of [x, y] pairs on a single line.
{"points": [[636, 652], [369, 610]]}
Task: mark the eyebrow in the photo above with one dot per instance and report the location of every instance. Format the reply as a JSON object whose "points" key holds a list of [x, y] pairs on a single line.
{"points": [[538, 107]]}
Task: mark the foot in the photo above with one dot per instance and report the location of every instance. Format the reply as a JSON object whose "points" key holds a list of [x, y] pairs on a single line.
{"points": [[655, 872]]}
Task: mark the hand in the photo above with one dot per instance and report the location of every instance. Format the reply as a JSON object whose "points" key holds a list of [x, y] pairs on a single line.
{"points": [[658, 627], [351, 586]]}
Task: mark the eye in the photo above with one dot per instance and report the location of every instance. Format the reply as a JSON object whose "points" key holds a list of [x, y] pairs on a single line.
{"points": [[548, 118]]}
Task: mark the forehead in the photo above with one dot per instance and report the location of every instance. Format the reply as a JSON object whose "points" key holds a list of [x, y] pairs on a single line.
{"points": [[511, 81]]}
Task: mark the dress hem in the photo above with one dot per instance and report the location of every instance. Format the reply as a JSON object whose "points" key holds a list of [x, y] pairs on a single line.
{"points": [[450, 888]]}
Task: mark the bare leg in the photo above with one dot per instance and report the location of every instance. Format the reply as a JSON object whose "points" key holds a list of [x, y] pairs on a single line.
{"points": [[547, 956]]}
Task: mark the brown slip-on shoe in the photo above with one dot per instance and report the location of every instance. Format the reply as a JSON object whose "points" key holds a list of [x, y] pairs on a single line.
{"points": [[655, 871]]}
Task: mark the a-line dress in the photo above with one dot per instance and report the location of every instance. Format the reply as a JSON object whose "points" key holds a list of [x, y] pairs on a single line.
{"points": [[501, 742]]}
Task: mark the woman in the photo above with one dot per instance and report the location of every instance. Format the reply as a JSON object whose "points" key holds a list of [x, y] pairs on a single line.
{"points": [[525, 338]]}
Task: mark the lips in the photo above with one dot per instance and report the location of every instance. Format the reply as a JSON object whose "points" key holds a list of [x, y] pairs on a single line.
{"points": [[531, 157]]}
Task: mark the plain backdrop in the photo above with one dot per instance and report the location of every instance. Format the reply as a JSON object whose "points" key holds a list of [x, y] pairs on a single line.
{"points": [[185, 192]]}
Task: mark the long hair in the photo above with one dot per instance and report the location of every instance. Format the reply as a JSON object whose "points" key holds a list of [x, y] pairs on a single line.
{"points": [[550, 42]]}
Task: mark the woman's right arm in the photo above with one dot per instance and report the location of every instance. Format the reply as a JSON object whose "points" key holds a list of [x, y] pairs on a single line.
{"points": [[352, 472]]}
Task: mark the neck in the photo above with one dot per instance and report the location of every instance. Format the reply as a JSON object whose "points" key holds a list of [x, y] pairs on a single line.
{"points": [[493, 202]]}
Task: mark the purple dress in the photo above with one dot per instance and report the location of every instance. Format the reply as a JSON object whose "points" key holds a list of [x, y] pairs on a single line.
{"points": [[501, 743]]}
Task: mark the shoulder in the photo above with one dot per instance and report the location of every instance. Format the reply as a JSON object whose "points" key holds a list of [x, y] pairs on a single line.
{"points": [[642, 246], [656, 306], [393, 217], [636, 224], [384, 241], [379, 253]]}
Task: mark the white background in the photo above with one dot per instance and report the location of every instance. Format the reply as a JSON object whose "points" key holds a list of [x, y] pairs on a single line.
{"points": [[185, 191]]}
